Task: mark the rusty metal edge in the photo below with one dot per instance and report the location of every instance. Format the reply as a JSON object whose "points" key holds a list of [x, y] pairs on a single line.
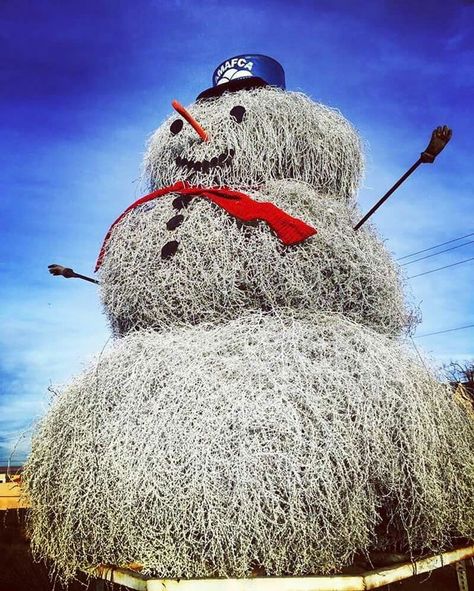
{"points": [[380, 577], [363, 582], [121, 576]]}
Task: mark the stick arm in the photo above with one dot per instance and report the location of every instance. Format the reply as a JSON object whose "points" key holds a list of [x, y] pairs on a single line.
{"points": [[69, 273], [439, 138]]}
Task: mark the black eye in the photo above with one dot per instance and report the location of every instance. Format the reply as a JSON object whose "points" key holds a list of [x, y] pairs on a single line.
{"points": [[176, 126], [238, 113]]}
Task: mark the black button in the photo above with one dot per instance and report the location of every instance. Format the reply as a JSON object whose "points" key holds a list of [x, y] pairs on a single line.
{"points": [[181, 201], [174, 222], [169, 249]]}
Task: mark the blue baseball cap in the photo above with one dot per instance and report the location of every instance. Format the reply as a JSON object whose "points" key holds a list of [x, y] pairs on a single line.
{"points": [[245, 71]]}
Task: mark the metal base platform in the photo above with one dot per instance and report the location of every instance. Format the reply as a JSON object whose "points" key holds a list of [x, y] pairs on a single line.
{"points": [[363, 582]]}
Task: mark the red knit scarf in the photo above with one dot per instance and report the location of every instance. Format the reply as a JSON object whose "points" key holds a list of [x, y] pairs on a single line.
{"points": [[289, 230]]}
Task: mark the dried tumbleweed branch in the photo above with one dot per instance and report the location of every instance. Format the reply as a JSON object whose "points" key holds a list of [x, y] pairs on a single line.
{"points": [[258, 411], [222, 269], [282, 135], [286, 442]]}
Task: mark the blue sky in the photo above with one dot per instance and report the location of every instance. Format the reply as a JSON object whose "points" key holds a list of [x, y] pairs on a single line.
{"points": [[83, 84]]}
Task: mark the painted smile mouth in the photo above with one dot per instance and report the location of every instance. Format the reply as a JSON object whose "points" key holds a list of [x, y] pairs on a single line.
{"points": [[223, 159]]}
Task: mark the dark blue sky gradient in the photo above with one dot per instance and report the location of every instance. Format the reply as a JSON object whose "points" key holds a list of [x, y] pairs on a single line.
{"points": [[82, 85]]}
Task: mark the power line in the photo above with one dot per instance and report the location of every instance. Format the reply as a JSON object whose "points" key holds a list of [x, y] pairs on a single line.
{"points": [[436, 253], [435, 246], [440, 268], [429, 334]]}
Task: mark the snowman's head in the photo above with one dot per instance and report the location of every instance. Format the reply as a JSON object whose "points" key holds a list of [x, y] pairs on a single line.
{"points": [[255, 136]]}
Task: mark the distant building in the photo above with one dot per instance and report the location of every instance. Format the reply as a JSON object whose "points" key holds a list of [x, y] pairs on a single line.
{"points": [[464, 395], [10, 489]]}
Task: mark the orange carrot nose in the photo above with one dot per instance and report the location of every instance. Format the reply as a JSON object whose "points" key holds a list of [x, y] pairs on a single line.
{"points": [[190, 119]]}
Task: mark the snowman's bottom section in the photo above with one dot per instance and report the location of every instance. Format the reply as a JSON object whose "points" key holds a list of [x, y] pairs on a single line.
{"points": [[283, 444]]}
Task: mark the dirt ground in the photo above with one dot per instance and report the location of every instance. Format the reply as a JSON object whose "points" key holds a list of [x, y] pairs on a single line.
{"points": [[19, 572]]}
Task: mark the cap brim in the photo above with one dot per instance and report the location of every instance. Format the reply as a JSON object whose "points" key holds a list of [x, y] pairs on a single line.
{"points": [[232, 86]]}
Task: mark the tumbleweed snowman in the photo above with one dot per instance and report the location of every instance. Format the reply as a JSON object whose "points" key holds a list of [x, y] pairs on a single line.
{"points": [[258, 410]]}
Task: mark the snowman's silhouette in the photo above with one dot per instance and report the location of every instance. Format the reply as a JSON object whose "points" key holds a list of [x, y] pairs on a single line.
{"points": [[259, 410]]}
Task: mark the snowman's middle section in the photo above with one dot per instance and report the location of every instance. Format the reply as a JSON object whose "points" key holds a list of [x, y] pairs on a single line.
{"points": [[183, 260]]}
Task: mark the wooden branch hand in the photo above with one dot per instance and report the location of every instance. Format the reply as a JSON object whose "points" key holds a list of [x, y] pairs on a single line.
{"points": [[439, 138], [60, 270], [67, 272]]}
